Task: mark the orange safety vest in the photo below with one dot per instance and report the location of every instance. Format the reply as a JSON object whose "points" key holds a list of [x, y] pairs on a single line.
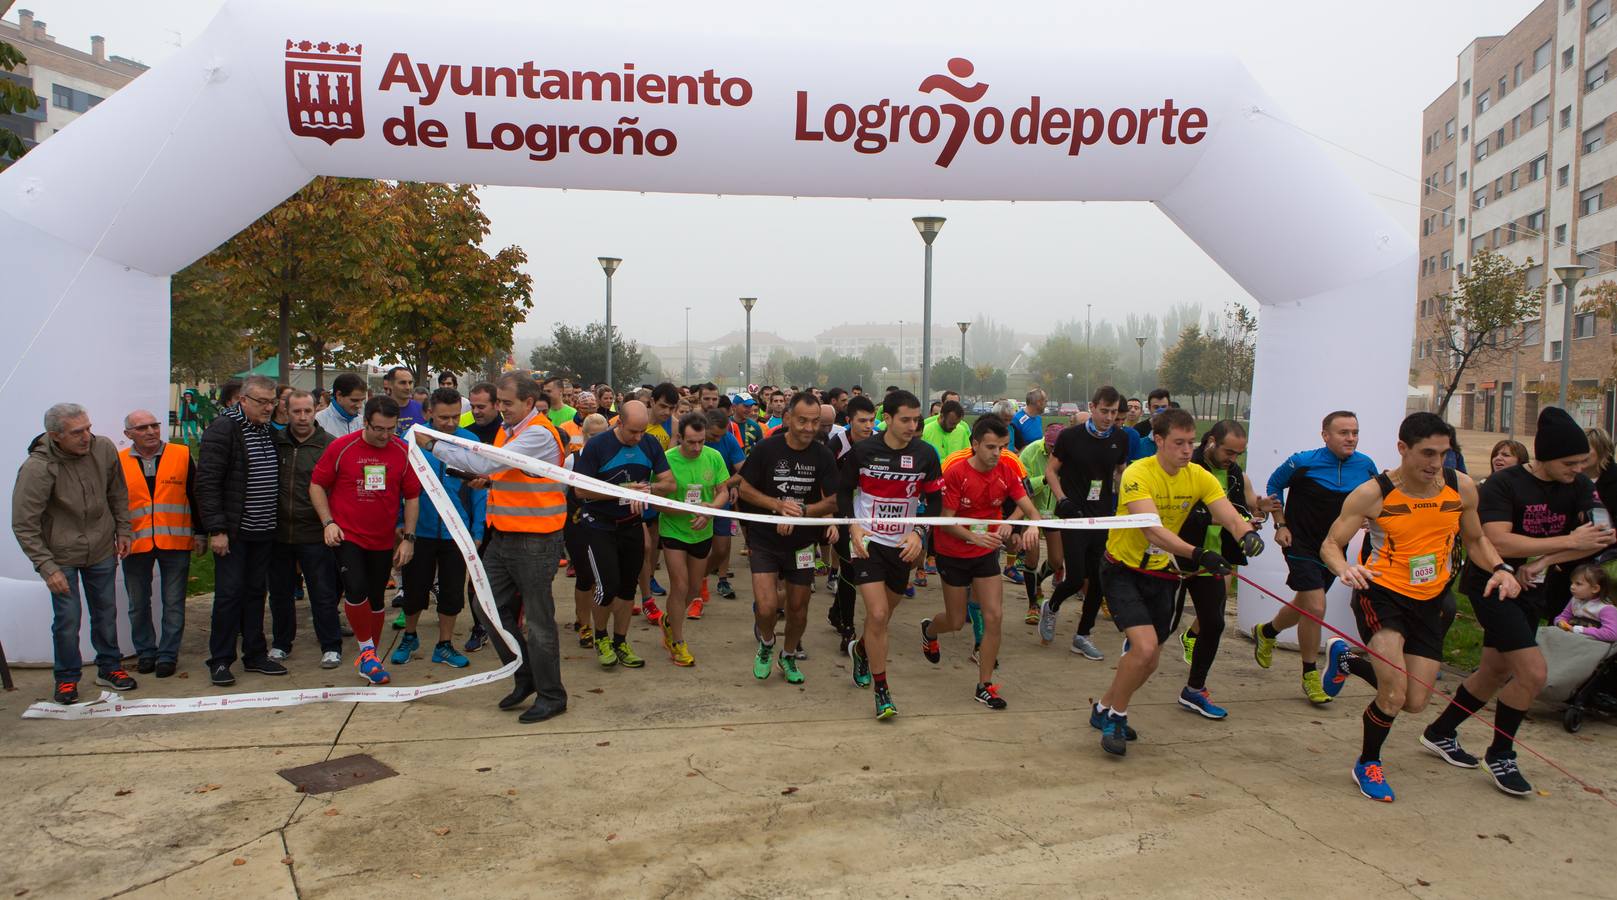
{"points": [[575, 436], [519, 502], [160, 520]]}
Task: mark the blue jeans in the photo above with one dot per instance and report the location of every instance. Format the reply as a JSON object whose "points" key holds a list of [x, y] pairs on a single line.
{"points": [[67, 611], [319, 568], [175, 569]]}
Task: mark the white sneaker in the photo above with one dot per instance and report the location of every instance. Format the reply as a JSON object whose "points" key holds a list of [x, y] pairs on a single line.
{"points": [[277, 654], [330, 659]]}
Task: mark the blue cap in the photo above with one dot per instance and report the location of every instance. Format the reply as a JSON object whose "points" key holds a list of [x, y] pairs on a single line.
{"points": [[743, 398]]}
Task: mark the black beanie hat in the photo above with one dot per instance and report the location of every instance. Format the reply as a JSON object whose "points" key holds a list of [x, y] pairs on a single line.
{"points": [[1558, 436]]}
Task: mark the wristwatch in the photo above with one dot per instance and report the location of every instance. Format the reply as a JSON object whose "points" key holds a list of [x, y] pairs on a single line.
{"points": [[408, 536], [1506, 567]]}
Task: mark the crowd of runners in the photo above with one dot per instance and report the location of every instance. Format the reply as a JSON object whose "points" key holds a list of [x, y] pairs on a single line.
{"points": [[297, 496]]}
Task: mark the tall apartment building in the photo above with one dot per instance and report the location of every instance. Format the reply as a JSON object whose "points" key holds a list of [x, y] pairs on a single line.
{"points": [[1517, 159], [69, 82]]}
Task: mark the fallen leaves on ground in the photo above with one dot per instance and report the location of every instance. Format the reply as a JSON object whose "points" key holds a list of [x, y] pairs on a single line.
{"points": [[441, 830], [286, 860], [208, 787], [122, 792], [238, 861], [789, 790], [335, 812], [613, 836]]}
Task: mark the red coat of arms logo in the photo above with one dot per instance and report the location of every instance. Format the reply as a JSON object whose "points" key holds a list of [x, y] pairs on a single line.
{"points": [[322, 90]]}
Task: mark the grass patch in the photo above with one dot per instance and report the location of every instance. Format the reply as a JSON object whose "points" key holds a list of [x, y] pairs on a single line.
{"points": [[201, 580], [1462, 648]]}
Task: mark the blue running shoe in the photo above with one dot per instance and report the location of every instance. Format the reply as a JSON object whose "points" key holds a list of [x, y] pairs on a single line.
{"points": [[861, 666], [409, 645], [1097, 721], [444, 652], [1335, 674], [1014, 575], [370, 668], [1114, 736], [657, 589], [1372, 781], [1201, 702], [909, 592], [477, 640], [975, 614], [725, 590]]}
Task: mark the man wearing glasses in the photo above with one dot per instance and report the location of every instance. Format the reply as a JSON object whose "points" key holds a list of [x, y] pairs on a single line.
{"points": [[162, 506], [236, 485]]}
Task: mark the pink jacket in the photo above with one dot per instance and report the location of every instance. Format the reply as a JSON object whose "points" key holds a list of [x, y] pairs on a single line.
{"points": [[1604, 613]]}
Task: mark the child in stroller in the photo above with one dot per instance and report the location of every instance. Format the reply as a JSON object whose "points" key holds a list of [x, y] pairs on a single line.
{"points": [[1581, 650]]}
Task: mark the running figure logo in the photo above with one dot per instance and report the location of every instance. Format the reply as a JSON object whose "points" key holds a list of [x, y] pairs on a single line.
{"points": [[322, 90], [959, 67]]}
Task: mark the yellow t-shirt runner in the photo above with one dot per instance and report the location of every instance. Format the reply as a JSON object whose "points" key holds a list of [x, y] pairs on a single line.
{"points": [[1173, 495]]}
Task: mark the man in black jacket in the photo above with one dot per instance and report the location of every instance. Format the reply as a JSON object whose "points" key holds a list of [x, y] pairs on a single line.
{"points": [[236, 484], [300, 546]]}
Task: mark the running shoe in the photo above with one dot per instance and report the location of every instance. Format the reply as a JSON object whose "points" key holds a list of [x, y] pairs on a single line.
{"points": [[931, 567], [1014, 575], [1315, 689], [974, 615], [1506, 776], [920, 579], [444, 652], [1201, 702], [654, 613], [634, 610], [1188, 641], [1336, 655], [1083, 646], [681, 655], [884, 704], [1097, 721], [276, 653], [1047, 623], [799, 654], [1263, 648], [572, 570], [725, 590], [117, 679], [909, 592], [761, 661], [1114, 735], [604, 653], [861, 666], [1032, 617], [657, 589], [819, 566], [666, 626], [929, 645], [370, 668], [1448, 749], [694, 611], [221, 677], [479, 639], [586, 637], [408, 646], [788, 666], [66, 692], [398, 621], [1371, 780], [330, 659], [703, 592], [988, 695], [626, 655]]}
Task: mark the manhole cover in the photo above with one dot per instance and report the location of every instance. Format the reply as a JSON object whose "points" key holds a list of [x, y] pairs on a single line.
{"points": [[337, 774]]}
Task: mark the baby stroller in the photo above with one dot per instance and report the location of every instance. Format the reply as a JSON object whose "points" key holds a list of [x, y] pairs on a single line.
{"points": [[1582, 674]]}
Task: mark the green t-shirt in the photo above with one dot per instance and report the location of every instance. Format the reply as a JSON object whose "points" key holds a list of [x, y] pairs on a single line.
{"points": [[695, 481], [565, 414], [1215, 532], [946, 442], [1034, 456]]}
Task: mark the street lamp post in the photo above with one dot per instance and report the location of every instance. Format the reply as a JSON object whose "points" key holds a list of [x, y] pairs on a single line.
{"points": [[687, 345], [1140, 342], [1069, 387], [746, 372], [609, 264], [963, 327], [900, 352], [1089, 359], [1569, 276], [928, 226]]}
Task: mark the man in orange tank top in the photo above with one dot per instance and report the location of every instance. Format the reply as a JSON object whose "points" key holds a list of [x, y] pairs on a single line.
{"points": [[1413, 513]]}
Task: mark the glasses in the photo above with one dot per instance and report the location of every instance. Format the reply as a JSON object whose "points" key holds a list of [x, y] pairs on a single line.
{"points": [[261, 401]]}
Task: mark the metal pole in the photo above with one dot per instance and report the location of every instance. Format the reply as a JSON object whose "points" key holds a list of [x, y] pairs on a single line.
{"points": [[962, 365], [749, 348], [609, 382], [1515, 387], [1089, 366], [1567, 315], [900, 375], [687, 345], [926, 334]]}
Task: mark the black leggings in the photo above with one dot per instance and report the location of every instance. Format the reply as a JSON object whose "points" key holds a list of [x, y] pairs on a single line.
{"points": [[1208, 596], [364, 574], [614, 557]]}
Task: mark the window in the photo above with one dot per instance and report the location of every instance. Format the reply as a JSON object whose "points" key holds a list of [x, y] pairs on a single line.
{"points": [[1465, 133], [1446, 260], [1594, 138], [1560, 235], [1557, 295], [1499, 139], [1501, 88], [1541, 56], [1498, 187], [1465, 89], [1479, 244], [64, 97], [1510, 233], [1535, 278], [1589, 201], [1566, 117], [1590, 260], [1533, 332], [1479, 199], [1566, 59], [1482, 101], [1448, 130], [1599, 12], [1462, 226], [1513, 174], [1555, 351], [1448, 216], [1463, 177], [1535, 169], [1426, 226], [1583, 326], [1539, 113], [1535, 223], [1482, 151], [1594, 76], [1562, 176], [1448, 174], [1516, 76]]}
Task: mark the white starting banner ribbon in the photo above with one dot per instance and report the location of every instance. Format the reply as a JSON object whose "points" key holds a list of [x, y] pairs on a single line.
{"points": [[573, 479], [112, 705]]}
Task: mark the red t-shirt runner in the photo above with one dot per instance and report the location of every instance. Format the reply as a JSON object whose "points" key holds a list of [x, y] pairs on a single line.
{"points": [[976, 495], [366, 486]]}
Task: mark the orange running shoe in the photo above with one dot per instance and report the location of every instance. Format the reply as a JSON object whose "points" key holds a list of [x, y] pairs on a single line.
{"points": [[695, 610]]}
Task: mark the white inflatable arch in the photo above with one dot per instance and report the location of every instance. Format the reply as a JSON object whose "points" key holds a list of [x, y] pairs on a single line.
{"points": [[95, 221]]}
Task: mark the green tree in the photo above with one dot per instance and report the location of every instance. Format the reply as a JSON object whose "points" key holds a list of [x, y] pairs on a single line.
{"points": [[1184, 366], [580, 354], [878, 355], [803, 371], [949, 375], [458, 303], [727, 363], [1061, 354], [15, 97], [990, 381], [845, 371], [207, 338], [1481, 319]]}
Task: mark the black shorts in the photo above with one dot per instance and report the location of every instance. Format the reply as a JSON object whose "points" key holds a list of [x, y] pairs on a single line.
{"points": [[578, 548], [1508, 625], [700, 549], [364, 574], [771, 559], [1137, 600], [883, 565], [1308, 573], [1421, 622], [958, 571], [614, 555], [436, 561]]}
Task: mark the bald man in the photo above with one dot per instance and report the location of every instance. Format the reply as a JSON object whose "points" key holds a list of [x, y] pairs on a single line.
{"points": [[162, 508]]}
